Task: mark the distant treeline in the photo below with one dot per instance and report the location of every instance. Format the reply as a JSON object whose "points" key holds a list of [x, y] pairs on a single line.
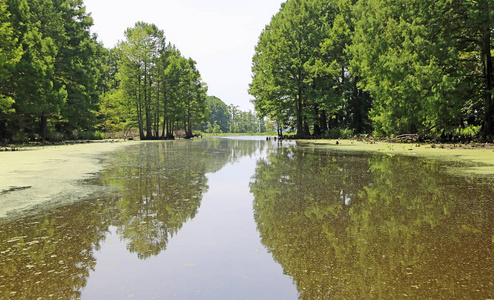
{"points": [[230, 119], [58, 82], [382, 67]]}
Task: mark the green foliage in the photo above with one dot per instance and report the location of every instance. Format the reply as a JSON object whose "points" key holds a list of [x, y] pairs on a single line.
{"points": [[87, 135], [286, 65], [469, 131], [10, 55], [301, 77], [230, 119], [391, 67], [113, 115], [402, 57], [244, 122], [162, 89], [216, 128], [78, 67], [57, 82], [53, 70], [218, 113], [339, 133]]}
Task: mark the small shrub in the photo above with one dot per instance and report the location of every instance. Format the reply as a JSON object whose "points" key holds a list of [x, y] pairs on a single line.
{"points": [[339, 133], [469, 130], [91, 135], [98, 135]]}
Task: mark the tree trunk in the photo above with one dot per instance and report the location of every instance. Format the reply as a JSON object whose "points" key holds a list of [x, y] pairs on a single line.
{"points": [[43, 126], [306, 132], [324, 121], [170, 129], [357, 109], [165, 110], [487, 128], [189, 129], [300, 121], [157, 114], [147, 101], [139, 108]]}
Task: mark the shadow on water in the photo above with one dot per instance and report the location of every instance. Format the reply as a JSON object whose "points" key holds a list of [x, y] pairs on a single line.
{"points": [[156, 188], [375, 227]]}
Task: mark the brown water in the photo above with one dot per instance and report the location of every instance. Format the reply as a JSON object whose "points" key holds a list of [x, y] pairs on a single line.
{"points": [[250, 219]]}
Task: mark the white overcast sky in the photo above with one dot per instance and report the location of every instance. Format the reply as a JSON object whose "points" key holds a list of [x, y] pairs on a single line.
{"points": [[219, 34]]}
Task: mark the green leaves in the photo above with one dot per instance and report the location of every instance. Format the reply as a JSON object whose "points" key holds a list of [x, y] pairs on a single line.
{"points": [[52, 70], [10, 55], [288, 62], [410, 55], [301, 69], [427, 65], [162, 88]]}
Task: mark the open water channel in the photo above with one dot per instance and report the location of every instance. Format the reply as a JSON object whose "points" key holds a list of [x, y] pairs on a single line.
{"points": [[223, 218]]}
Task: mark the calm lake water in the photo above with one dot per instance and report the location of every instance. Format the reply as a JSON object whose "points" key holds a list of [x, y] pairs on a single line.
{"points": [[222, 218]]}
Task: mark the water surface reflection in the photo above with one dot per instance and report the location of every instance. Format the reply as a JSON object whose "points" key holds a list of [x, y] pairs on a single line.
{"points": [[156, 188], [333, 225], [356, 226]]}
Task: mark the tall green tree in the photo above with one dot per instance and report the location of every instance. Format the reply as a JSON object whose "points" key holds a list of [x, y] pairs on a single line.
{"points": [[428, 64], [138, 55], [194, 96], [346, 104], [78, 66], [163, 88], [285, 67], [10, 55], [37, 98], [473, 24], [218, 114], [55, 81], [171, 90], [407, 64]]}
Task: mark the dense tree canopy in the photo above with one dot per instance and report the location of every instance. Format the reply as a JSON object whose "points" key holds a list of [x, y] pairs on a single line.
{"points": [[390, 67], [53, 69], [219, 120], [288, 65], [58, 82], [10, 54], [410, 56], [321, 68], [163, 89]]}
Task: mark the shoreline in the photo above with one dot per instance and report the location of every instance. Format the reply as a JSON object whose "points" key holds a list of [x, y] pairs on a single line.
{"points": [[32, 176], [479, 160]]}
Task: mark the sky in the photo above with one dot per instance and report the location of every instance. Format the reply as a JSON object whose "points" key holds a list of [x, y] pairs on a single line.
{"points": [[220, 35]]}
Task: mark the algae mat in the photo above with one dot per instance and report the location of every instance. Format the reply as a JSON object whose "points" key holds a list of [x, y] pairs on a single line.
{"points": [[34, 176], [477, 159]]}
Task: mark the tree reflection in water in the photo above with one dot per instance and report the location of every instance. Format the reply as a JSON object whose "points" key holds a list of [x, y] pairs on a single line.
{"points": [[51, 256], [352, 226], [158, 186], [160, 189], [343, 225]]}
